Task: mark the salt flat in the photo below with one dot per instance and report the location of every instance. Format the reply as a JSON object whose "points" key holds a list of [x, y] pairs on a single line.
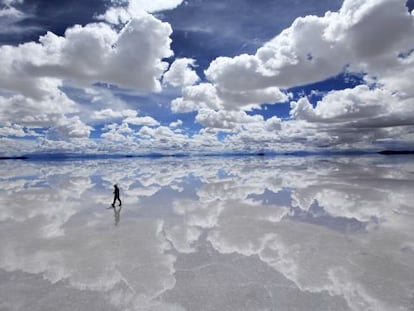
{"points": [[208, 233]]}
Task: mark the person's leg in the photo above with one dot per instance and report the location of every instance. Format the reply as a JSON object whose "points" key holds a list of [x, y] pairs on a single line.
{"points": [[120, 203]]}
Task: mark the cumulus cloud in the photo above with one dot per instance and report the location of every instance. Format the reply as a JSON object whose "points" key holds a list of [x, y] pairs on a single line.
{"points": [[315, 48], [97, 53], [180, 73], [13, 147], [16, 130], [108, 114], [312, 49], [246, 133], [374, 37], [225, 120], [176, 124], [87, 55], [129, 116], [33, 112], [162, 137], [196, 97], [150, 137], [118, 132], [34, 75], [143, 121], [357, 107], [67, 128], [127, 51], [206, 95], [358, 114]]}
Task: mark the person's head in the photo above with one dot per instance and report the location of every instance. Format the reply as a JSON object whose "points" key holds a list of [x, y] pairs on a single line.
{"points": [[115, 186]]}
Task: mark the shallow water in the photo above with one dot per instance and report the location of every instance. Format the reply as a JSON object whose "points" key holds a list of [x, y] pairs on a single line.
{"points": [[212, 233]]}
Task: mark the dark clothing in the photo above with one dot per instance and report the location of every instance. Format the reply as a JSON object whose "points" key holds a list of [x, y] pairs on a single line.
{"points": [[116, 196]]}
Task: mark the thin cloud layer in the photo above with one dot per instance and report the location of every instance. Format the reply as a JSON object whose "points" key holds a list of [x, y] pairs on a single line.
{"points": [[136, 8]]}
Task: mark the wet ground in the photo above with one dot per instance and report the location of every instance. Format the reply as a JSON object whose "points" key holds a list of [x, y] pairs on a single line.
{"points": [[208, 233]]}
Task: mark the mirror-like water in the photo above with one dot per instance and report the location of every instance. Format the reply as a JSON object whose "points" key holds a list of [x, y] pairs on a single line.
{"points": [[213, 233]]}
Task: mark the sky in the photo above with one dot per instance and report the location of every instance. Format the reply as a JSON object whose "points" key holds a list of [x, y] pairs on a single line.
{"points": [[198, 76]]}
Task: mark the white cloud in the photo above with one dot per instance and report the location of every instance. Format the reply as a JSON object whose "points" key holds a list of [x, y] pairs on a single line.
{"points": [[176, 124], [67, 128], [225, 120], [273, 124], [374, 37], [107, 114], [358, 114], [136, 8], [315, 48], [116, 15], [248, 99], [90, 54], [61, 144], [161, 132], [13, 147], [360, 104], [180, 73], [206, 95], [147, 121], [129, 117], [248, 133], [35, 75], [118, 132], [197, 97], [240, 73], [16, 130], [32, 112], [153, 6]]}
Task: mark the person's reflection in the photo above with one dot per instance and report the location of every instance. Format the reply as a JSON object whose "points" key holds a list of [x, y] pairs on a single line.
{"points": [[117, 214]]}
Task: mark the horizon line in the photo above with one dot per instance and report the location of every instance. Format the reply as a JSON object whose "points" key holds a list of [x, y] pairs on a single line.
{"points": [[75, 156]]}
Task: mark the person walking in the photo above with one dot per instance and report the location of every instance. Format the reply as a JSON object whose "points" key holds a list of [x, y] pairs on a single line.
{"points": [[116, 196]]}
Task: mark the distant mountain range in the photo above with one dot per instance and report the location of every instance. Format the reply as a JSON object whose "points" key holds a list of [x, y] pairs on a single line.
{"points": [[391, 152], [74, 156]]}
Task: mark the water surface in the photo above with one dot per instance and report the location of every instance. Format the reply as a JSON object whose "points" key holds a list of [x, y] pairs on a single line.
{"points": [[212, 233]]}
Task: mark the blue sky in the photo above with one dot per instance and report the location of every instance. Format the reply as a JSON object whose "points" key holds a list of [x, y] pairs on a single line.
{"points": [[173, 76]]}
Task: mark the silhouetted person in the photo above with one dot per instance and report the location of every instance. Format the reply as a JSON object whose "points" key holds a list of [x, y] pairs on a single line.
{"points": [[116, 196]]}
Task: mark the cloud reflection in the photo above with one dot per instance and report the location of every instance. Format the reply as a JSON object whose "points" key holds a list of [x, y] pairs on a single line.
{"points": [[334, 233]]}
